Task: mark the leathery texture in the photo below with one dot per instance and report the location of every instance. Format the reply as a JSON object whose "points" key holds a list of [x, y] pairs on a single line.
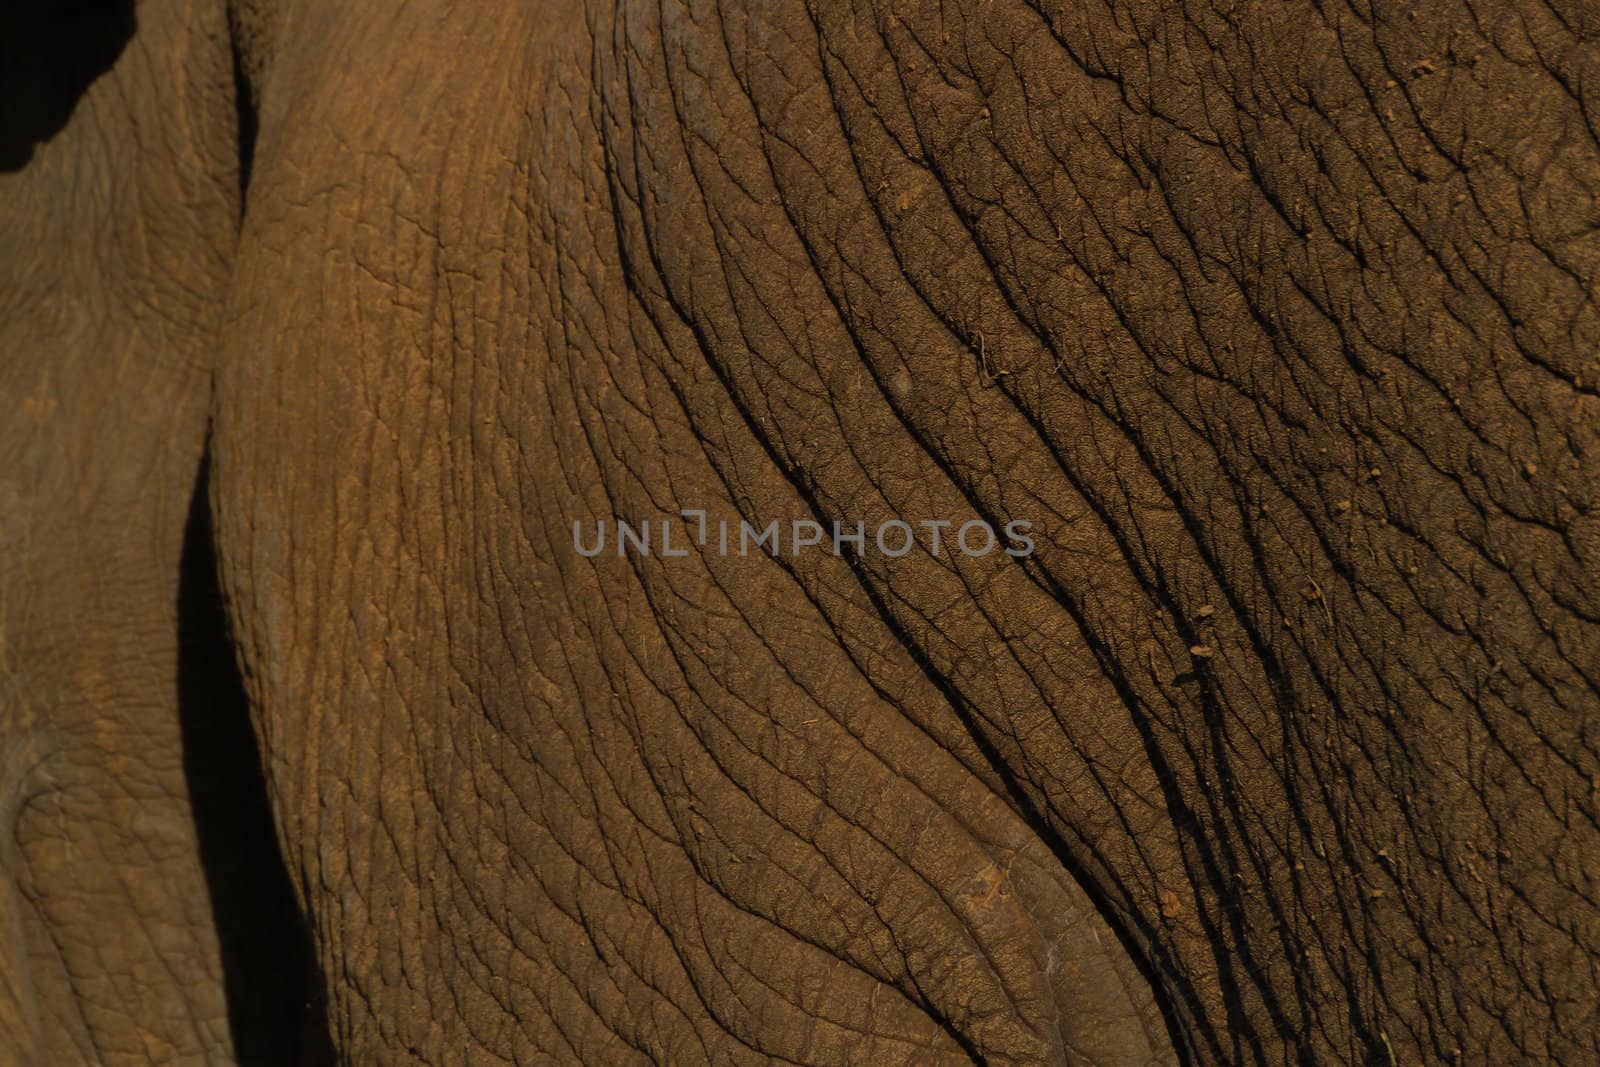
{"points": [[117, 224], [1276, 319]]}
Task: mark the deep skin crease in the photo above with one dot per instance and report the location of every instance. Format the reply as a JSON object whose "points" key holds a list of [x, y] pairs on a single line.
{"points": [[1274, 320]]}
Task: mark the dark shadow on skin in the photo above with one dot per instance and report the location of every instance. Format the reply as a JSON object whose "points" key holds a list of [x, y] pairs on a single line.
{"points": [[244, 102], [276, 1006], [50, 52]]}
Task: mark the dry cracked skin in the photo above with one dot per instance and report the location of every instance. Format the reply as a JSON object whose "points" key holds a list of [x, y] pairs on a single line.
{"points": [[321, 326]]}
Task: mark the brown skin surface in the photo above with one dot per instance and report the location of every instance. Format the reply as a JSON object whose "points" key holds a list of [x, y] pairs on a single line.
{"points": [[115, 241], [1273, 318], [144, 917]]}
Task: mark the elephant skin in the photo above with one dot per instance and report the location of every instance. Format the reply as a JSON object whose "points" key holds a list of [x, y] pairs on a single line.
{"points": [[1275, 322]]}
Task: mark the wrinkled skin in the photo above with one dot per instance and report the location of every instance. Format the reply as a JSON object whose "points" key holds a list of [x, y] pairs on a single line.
{"points": [[1275, 319]]}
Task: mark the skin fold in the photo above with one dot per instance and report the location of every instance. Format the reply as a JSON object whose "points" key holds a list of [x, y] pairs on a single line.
{"points": [[1274, 320], [115, 248]]}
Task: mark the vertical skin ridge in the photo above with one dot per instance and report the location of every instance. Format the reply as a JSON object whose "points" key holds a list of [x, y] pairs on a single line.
{"points": [[118, 216]]}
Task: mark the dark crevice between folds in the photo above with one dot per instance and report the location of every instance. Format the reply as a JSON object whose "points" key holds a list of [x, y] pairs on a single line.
{"points": [[246, 122], [276, 1003]]}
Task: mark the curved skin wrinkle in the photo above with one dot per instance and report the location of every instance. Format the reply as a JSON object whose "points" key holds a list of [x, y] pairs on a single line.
{"points": [[387, 673]]}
